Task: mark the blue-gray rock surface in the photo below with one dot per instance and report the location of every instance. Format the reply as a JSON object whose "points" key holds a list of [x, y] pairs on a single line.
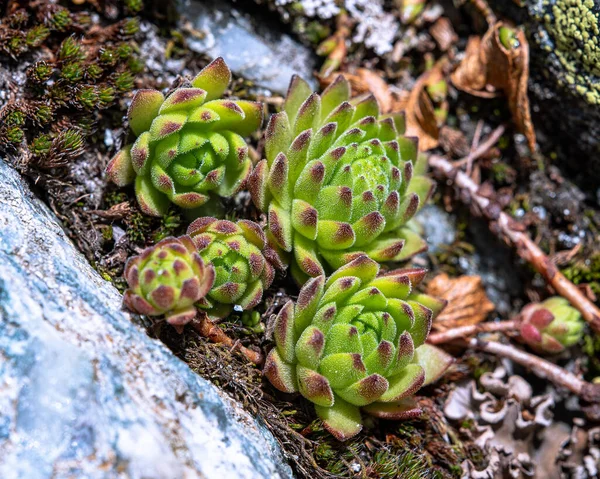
{"points": [[252, 46], [84, 392]]}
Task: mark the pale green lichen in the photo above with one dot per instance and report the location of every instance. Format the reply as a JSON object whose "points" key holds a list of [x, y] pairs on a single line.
{"points": [[574, 28]]}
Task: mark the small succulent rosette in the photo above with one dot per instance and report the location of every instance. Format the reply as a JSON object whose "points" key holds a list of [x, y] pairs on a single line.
{"points": [[356, 341], [236, 250], [551, 326], [168, 279], [338, 181], [188, 145]]}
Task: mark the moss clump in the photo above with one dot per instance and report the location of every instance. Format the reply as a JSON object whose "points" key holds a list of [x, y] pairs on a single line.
{"points": [[585, 271], [71, 81]]}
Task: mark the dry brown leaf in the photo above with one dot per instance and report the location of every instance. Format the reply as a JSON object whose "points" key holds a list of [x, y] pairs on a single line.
{"points": [[443, 33], [489, 67], [420, 114], [367, 81], [467, 302]]}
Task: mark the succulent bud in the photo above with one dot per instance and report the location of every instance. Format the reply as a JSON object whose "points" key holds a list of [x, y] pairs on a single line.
{"points": [[236, 250], [357, 340], [338, 181], [168, 278], [551, 326], [188, 145]]}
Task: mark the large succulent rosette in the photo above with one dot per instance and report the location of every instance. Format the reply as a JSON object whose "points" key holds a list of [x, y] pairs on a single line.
{"points": [[168, 279], [237, 253], [356, 340], [551, 326], [338, 181], [188, 145]]}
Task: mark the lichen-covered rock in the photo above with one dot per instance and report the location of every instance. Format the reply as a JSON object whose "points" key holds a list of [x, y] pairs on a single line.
{"points": [[86, 393]]}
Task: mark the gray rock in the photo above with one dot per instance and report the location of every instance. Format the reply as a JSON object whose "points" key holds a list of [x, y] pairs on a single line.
{"points": [[439, 228], [84, 392], [251, 46]]}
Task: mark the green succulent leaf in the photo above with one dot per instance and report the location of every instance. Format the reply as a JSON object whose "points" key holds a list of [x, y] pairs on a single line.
{"points": [[190, 145], [242, 273], [168, 279], [338, 181], [355, 340], [551, 326]]}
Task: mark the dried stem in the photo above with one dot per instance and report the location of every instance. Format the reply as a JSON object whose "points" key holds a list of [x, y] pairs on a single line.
{"points": [[541, 368], [472, 329], [512, 232], [212, 332], [485, 10]]}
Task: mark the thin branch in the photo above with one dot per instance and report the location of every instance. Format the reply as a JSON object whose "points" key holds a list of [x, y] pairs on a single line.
{"points": [[482, 148], [206, 328], [470, 330], [512, 232], [541, 368]]}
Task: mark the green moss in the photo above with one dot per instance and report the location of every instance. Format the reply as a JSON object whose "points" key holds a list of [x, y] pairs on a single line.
{"points": [[39, 72], [87, 97], [585, 271], [138, 227], [41, 145], [169, 225], [14, 135], [72, 71], [15, 118]]}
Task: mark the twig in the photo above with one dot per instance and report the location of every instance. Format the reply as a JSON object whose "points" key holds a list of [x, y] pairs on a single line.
{"points": [[470, 330], [210, 330], [541, 368], [511, 231], [482, 148]]}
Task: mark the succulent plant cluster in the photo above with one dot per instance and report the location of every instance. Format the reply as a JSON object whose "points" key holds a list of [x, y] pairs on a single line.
{"points": [[338, 181], [188, 145], [168, 279], [236, 250], [551, 326], [338, 187], [356, 340], [68, 83]]}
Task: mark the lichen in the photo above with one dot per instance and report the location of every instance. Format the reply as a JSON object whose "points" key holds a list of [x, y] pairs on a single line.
{"points": [[571, 32], [376, 28]]}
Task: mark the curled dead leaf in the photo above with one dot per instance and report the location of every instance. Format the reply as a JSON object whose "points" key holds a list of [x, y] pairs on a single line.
{"points": [[365, 81], [467, 301], [490, 67], [423, 117]]}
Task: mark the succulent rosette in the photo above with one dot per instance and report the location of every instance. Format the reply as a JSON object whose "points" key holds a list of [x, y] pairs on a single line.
{"points": [[168, 279], [551, 326], [338, 181], [356, 341], [189, 144], [236, 250]]}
